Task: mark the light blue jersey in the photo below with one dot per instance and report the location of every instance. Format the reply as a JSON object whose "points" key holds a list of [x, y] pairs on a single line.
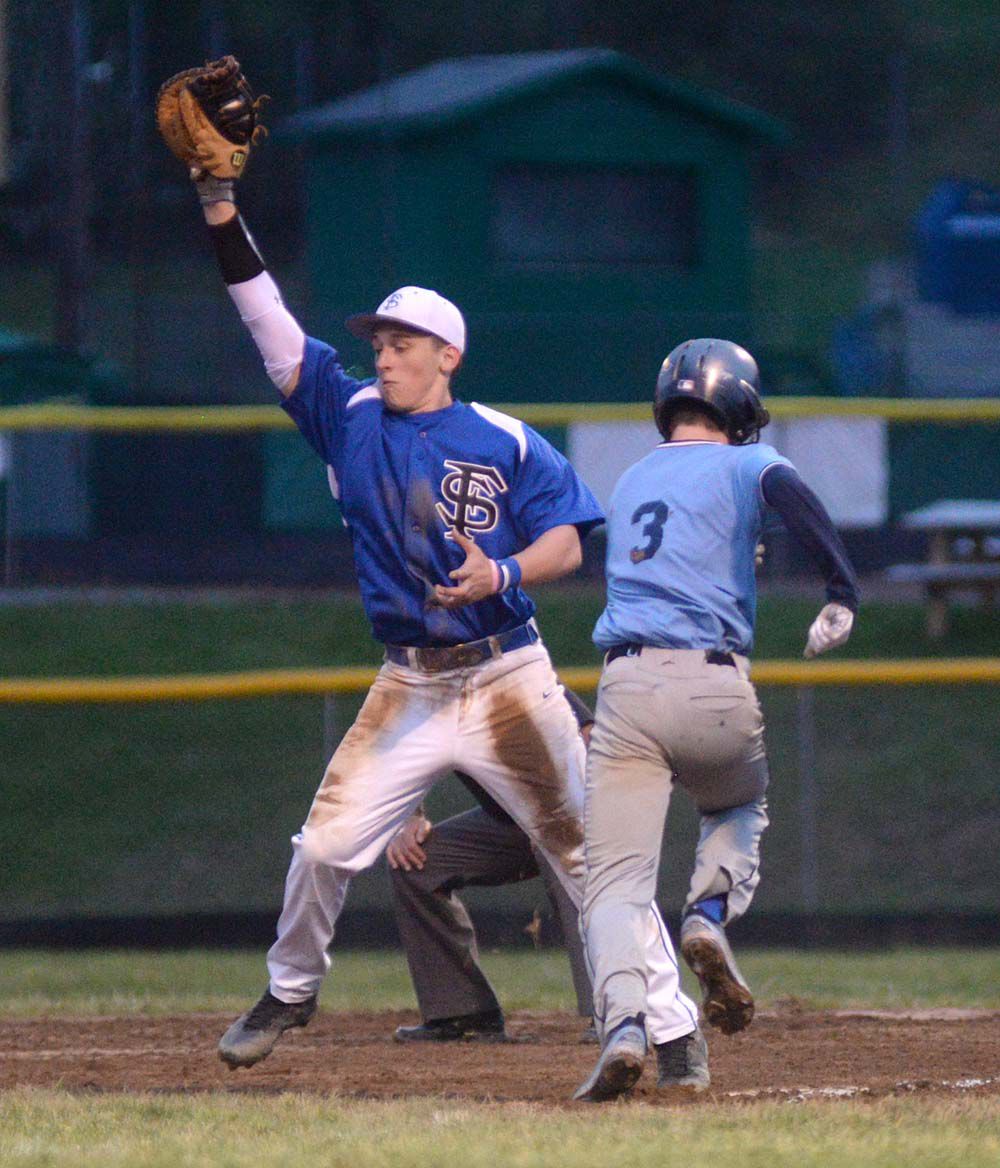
{"points": [[683, 527]]}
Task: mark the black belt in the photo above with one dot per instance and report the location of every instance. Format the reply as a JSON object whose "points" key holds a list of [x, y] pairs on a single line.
{"points": [[712, 656], [435, 659]]}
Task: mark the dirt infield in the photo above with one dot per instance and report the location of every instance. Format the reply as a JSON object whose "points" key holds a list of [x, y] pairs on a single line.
{"points": [[786, 1053]]}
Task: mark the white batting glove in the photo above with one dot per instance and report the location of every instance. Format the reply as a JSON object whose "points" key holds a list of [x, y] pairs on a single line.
{"points": [[831, 628]]}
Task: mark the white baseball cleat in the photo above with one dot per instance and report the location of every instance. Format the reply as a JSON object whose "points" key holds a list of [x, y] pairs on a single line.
{"points": [[727, 1001], [619, 1066]]}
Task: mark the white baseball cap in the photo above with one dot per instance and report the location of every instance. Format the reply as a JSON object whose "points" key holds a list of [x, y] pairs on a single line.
{"points": [[417, 308]]}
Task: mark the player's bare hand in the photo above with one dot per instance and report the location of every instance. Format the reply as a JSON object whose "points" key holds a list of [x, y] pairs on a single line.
{"points": [[404, 850], [474, 578], [831, 628]]}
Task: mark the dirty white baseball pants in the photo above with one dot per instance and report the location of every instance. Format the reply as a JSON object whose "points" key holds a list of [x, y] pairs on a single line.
{"points": [[506, 723], [662, 717]]}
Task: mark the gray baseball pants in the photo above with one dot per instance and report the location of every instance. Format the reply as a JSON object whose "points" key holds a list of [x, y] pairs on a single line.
{"points": [[663, 717], [471, 849]]}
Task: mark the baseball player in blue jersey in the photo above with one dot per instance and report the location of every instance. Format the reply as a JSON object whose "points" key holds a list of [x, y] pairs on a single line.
{"points": [[451, 509], [675, 703]]}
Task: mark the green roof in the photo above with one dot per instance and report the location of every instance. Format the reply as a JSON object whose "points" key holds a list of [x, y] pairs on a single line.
{"points": [[462, 89]]}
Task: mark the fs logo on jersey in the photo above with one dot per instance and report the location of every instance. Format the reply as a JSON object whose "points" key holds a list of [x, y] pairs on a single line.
{"points": [[471, 489]]}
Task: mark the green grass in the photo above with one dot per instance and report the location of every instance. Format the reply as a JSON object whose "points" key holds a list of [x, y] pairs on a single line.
{"points": [[51, 1129], [175, 636], [903, 978], [90, 982]]}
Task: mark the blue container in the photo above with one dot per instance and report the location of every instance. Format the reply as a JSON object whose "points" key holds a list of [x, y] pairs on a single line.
{"points": [[958, 248]]}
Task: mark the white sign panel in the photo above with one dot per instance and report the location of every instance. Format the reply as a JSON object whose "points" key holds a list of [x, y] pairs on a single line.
{"points": [[600, 451], [844, 460]]}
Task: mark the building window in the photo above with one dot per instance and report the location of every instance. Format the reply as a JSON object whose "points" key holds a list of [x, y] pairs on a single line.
{"points": [[558, 216]]}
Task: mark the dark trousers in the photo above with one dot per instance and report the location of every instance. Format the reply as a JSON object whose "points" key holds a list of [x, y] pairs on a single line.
{"points": [[471, 849]]}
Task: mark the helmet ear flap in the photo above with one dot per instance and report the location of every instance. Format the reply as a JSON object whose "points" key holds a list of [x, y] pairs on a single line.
{"points": [[761, 416], [661, 419]]}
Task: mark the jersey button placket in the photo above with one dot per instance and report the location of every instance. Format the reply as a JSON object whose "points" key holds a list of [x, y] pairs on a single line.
{"points": [[422, 457]]}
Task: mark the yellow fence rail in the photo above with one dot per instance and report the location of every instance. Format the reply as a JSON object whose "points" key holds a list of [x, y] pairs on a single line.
{"points": [[221, 419], [267, 683]]}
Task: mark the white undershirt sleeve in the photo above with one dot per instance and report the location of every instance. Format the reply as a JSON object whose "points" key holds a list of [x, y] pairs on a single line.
{"points": [[276, 332]]}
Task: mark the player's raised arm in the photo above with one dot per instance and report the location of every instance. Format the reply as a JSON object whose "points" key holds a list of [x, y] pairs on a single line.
{"points": [[277, 333], [210, 120]]}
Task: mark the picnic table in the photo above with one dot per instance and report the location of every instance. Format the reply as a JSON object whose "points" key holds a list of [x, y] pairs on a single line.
{"points": [[963, 554]]}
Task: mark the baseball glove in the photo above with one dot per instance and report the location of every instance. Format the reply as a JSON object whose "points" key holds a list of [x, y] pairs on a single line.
{"points": [[210, 119]]}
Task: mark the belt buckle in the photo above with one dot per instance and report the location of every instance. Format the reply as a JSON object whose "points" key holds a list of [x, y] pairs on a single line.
{"points": [[435, 660], [429, 660], [471, 653]]}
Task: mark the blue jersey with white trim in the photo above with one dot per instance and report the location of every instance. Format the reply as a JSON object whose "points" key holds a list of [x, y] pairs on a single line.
{"points": [[404, 480], [683, 527]]}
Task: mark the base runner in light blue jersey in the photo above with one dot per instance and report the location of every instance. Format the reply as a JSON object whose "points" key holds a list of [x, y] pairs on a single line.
{"points": [[453, 510], [680, 555], [676, 704]]}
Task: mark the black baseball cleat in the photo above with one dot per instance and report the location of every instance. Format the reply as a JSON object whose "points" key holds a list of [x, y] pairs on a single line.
{"points": [[485, 1027], [727, 1001], [590, 1037], [682, 1063], [253, 1035]]}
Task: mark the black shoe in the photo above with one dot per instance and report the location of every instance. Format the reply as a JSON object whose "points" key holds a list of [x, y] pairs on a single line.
{"points": [[683, 1062], [253, 1035], [485, 1027]]}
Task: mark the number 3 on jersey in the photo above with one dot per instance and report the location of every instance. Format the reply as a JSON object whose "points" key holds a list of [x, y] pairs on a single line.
{"points": [[657, 513]]}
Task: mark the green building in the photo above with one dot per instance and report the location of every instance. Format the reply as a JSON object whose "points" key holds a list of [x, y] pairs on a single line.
{"points": [[585, 213]]}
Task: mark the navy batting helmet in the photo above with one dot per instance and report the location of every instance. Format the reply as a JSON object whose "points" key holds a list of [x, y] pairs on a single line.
{"points": [[720, 378]]}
